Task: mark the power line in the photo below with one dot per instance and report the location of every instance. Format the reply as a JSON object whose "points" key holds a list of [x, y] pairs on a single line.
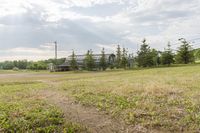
{"points": [[196, 44], [187, 40], [179, 43]]}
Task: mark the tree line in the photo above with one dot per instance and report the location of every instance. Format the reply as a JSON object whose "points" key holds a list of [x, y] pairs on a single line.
{"points": [[32, 65], [146, 57]]}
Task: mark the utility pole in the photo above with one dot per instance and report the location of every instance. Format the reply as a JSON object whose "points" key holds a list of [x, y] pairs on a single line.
{"points": [[56, 52]]}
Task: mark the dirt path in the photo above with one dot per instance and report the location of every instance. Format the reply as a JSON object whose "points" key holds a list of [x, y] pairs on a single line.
{"points": [[95, 121]]}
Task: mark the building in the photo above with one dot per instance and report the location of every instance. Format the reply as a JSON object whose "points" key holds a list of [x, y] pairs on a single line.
{"points": [[110, 58]]}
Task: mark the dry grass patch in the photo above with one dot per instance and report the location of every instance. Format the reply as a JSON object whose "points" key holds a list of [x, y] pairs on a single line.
{"points": [[156, 99]]}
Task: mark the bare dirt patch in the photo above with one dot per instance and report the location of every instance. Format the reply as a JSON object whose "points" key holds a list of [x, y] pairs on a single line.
{"points": [[95, 121]]}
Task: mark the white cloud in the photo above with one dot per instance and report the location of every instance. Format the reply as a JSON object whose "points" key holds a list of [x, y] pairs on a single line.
{"points": [[45, 51], [22, 57], [11, 7], [34, 22], [48, 46], [89, 3], [108, 47], [21, 50]]}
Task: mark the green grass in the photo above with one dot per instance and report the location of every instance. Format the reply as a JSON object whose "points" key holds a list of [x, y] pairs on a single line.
{"points": [[164, 99], [24, 71], [198, 61], [7, 71], [21, 111], [158, 99]]}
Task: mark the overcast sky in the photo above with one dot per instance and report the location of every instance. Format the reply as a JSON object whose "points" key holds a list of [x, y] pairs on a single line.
{"points": [[28, 27]]}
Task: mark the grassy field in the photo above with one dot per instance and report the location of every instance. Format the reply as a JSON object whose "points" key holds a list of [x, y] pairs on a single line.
{"points": [[22, 110], [157, 100]]}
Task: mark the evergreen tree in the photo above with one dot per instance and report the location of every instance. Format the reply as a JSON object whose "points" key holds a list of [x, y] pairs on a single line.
{"points": [[185, 53], [167, 57], [130, 61], [145, 56], [124, 60], [89, 61], [118, 57], [103, 63], [73, 62], [111, 61], [86, 60], [156, 58]]}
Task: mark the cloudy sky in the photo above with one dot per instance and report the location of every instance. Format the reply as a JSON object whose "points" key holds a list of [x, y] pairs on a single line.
{"points": [[29, 27]]}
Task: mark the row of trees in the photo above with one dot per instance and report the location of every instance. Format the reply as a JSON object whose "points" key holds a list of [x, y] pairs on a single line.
{"points": [[152, 57], [32, 65], [120, 60], [22, 64], [146, 57]]}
